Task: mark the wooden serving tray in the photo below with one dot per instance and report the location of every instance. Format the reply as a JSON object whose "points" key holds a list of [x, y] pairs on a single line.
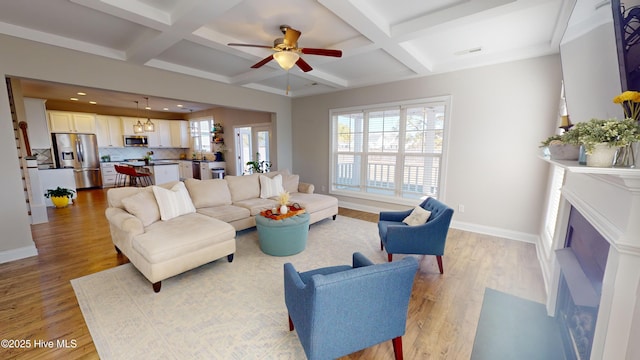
{"points": [[277, 216]]}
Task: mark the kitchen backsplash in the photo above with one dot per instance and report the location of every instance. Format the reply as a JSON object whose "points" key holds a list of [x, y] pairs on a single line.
{"points": [[140, 153], [44, 156]]}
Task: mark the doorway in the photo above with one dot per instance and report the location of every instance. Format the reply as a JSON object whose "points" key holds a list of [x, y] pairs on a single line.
{"points": [[252, 140]]}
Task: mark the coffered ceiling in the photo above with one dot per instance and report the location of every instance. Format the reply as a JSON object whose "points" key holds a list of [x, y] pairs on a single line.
{"points": [[381, 40]]}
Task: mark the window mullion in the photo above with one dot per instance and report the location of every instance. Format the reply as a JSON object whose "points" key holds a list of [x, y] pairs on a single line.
{"points": [[399, 178], [364, 158]]}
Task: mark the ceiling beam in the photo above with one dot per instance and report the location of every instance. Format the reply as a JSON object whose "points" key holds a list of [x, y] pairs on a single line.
{"points": [[376, 30]]}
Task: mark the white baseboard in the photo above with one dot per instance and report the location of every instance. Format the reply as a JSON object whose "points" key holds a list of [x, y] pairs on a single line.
{"points": [[17, 254], [359, 207], [481, 229], [494, 231]]}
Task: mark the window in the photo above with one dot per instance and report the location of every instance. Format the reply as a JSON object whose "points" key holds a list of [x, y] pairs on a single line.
{"points": [[554, 197], [201, 133], [391, 151]]}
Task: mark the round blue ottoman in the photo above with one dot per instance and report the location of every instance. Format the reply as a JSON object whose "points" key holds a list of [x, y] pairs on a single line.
{"points": [[283, 237]]}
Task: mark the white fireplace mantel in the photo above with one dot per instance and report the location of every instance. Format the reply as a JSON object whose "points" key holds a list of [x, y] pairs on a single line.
{"points": [[609, 198]]}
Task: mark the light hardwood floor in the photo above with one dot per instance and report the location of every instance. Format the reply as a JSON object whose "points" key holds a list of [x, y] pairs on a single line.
{"points": [[37, 302]]}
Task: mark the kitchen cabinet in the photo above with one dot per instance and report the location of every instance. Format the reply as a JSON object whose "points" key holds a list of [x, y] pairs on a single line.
{"points": [[165, 173], [127, 125], [38, 129], [108, 174], [163, 129], [71, 122], [161, 137], [109, 131], [180, 134], [186, 169], [205, 171]]}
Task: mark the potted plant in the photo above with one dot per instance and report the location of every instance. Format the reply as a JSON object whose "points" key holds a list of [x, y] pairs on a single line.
{"points": [[602, 138], [60, 196], [565, 146], [257, 166]]}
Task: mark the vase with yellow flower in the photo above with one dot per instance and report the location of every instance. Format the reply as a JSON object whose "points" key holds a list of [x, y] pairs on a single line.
{"points": [[284, 200], [630, 102]]}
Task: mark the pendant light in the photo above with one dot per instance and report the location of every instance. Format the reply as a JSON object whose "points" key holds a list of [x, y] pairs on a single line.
{"points": [[148, 126], [138, 127]]}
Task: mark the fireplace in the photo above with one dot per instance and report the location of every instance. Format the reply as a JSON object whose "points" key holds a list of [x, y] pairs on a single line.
{"points": [[582, 263], [593, 276]]}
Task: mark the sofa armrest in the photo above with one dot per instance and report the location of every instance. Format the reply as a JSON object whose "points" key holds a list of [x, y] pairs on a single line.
{"points": [[306, 188], [124, 221]]}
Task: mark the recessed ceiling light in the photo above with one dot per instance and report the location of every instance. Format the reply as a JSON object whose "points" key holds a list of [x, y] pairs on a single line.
{"points": [[82, 94], [92, 102], [73, 99], [165, 109], [179, 105], [147, 108]]}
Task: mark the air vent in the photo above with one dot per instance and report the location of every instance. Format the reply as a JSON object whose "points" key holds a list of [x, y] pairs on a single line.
{"points": [[468, 51]]}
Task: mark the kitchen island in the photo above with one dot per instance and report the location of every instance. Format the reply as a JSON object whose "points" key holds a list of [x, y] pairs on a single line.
{"points": [[163, 171]]}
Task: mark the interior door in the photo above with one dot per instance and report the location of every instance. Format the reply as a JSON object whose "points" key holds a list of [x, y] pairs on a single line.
{"points": [[249, 141]]}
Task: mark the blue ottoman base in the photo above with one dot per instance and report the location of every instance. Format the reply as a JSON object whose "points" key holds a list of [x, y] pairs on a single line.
{"points": [[283, 237]]}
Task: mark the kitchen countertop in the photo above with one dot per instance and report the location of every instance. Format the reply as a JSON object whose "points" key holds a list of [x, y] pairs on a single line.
{"points": [[142, 163]]}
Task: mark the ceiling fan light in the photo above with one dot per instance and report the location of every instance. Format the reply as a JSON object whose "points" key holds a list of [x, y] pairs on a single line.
{"points": [[286, 59]]}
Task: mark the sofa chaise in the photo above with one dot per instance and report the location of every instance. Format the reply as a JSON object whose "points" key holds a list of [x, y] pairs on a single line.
{"points": [[197, 224]]}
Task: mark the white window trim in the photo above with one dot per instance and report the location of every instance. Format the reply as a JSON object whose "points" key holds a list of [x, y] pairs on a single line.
{"points": [[446, 99]]}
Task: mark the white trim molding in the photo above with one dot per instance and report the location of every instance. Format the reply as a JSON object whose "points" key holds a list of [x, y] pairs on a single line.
{"points": [[17, 254]]}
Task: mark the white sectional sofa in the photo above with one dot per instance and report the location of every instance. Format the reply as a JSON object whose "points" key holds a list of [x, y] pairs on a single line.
{"points": [[238, 199], [197, 223]]}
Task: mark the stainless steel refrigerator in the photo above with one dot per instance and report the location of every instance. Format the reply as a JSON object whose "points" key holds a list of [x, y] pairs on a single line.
{"points": [[79, 152]]}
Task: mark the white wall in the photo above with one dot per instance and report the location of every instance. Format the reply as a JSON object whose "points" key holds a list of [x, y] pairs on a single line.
{"points": [[592, 78], [499, 116], [28, 59]]}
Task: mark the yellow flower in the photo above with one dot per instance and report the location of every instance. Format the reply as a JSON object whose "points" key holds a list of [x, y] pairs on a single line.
{"points": [[284, 198], [630, 102]]}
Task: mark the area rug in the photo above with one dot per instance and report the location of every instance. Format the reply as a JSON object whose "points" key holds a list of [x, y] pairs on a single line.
{"points": [[220, 310], [514, 328]]}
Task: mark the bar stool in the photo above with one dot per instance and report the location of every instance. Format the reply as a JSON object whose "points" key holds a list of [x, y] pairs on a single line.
{"points": [[136, 178], [121, 176]]}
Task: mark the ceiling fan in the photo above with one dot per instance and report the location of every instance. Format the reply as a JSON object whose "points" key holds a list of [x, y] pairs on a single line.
{"points": [[287, 51]]}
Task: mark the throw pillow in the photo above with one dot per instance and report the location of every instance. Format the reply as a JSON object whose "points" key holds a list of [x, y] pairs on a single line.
{"points": [[173, 202], [143, 205], [290, 183], [270, 187], [418, 216]]}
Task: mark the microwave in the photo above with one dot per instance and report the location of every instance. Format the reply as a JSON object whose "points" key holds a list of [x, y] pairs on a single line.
{"points": [[135, 140]]}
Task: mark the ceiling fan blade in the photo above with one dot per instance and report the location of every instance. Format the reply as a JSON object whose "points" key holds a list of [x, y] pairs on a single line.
{"points": [[291, 37], [262, 62], [303, 65], [323, 52], [251, 45]]}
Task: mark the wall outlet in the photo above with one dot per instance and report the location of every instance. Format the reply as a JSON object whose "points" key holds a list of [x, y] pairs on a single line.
{"points": [[460, 208]]}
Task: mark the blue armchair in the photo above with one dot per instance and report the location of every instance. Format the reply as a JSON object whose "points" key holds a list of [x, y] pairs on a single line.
{"points": [[427, 239], [342, 309]]}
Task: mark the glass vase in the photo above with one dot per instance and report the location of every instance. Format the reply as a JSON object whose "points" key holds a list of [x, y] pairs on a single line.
{"points": [[624, 157]]}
